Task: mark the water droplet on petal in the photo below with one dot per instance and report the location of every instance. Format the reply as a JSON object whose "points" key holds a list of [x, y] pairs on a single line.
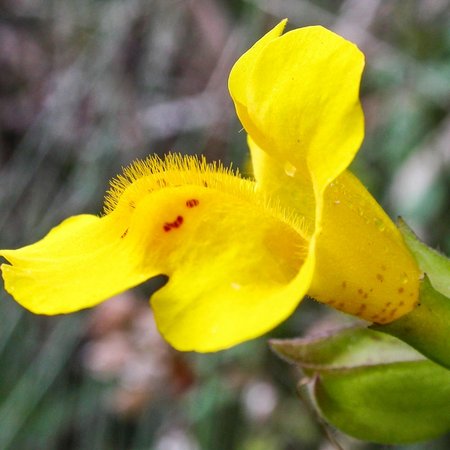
{"points": [[379, 224], [289, 169], [405, 278]]}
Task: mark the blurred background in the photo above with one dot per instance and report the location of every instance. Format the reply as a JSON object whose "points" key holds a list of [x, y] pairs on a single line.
{"points": [[86, 87]]}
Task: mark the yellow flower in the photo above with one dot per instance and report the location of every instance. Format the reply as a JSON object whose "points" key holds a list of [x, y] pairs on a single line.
{"points": [[241, 254]]}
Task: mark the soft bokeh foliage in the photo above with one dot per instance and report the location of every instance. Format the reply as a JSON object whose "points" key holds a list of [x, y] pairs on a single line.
{"points": [[88, 86]]}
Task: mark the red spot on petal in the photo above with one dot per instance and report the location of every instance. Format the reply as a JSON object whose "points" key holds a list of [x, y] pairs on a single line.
{"points": [[192, 203], [175, 224]]}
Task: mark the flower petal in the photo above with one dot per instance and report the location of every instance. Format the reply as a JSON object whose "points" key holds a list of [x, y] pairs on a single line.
{"points": [[291, 186], [235, 261], [235, 269], [298, 98], [241, 71], [362, 264], [80, 263]]}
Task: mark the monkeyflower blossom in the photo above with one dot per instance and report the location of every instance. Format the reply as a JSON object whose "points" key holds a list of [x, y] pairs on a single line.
{"points": [[240, 254]]}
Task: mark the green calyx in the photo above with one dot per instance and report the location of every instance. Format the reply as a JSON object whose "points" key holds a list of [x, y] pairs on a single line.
{"points": [[427, 327], [372, 386]]}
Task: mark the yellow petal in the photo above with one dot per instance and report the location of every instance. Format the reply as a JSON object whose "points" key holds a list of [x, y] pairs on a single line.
{"points": [[290, 185], [363, 266], [235, 270], [235, 261], [297, 96], [80, 263], [241, 71]]}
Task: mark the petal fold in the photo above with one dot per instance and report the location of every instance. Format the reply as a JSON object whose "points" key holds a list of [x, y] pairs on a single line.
{"points": [[235, 269], [291, 186], [363, 266]]}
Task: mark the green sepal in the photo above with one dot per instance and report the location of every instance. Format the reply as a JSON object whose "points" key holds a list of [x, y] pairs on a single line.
{"points": [[427, 327], [431, 262], [395, 404], [344, 349], [372, 386]]}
